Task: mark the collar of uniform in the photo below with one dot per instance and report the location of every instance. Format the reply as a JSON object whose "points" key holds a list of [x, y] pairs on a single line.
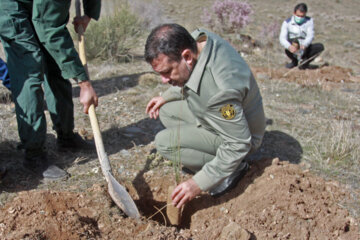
{"points": [[195, 77], [292, 21]]}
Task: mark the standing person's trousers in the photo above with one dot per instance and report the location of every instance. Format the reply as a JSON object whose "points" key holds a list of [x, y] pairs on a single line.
{"points": [[185, 141], [34, 72]]}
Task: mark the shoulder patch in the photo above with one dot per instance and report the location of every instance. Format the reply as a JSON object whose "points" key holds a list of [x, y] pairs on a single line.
{"points": [[228, 111], [288, 20]]}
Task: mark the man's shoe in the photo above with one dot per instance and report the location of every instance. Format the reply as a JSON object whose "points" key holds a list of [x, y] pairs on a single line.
{"points": [[291, 64], [231, 181], [304, 66], [38, 164], [35, 162], [185, 171], [3, 171], [74, 142]]}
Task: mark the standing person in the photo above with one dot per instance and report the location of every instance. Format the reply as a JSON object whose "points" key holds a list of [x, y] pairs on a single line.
{"points": [[40, 52], [296, 36], [215, 102]]}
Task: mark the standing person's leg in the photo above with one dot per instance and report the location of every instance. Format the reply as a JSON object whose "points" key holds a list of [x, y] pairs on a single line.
{"points": [[58, 95], [26, 66], [50, 19]]}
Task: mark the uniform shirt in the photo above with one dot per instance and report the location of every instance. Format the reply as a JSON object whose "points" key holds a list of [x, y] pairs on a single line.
{"points": [[50, 19], [290, 30], [225, 99]]}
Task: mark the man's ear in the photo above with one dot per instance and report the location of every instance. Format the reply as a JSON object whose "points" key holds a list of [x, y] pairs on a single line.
{"points": [[187, 54]]}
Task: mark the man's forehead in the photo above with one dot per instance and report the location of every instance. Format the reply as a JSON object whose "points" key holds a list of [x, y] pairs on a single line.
{"points": [[161, 61]]}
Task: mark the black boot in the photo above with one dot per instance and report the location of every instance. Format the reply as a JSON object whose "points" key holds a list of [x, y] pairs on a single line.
{"points": [[231, 181], [3, 171], [37, 162], [73, 142], [291, 64]]}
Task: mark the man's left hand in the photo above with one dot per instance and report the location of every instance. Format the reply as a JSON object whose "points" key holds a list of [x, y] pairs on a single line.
{"points": [[185, 192]]}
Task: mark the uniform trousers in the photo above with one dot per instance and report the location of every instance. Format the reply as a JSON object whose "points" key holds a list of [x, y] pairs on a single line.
{"points": [[184, 141], [33, 70]]}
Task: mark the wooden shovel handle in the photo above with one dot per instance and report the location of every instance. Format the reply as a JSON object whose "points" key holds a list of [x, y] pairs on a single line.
{"points": [[104, 162]]}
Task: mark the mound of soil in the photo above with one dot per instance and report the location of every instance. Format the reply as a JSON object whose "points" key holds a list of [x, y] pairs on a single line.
{"points": [[325, 75], [274, 200]]}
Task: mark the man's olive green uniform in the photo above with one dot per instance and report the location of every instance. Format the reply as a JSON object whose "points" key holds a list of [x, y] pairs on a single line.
{"points": [[221, 118], [40, 51]]}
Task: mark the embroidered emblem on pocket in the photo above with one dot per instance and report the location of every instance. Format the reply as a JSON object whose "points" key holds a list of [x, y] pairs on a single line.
{"points": [[228, 111]]}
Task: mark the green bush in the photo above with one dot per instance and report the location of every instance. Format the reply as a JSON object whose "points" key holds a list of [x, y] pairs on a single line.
{"points": [[113, 36]]}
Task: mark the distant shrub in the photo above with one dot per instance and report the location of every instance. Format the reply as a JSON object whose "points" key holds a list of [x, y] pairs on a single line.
{"points": [[113, 36], [150, 13], [227, 16], [269, 34]]}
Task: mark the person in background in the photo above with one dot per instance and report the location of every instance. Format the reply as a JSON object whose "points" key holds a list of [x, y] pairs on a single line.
{"points": [[41, 59], [296, 36]]}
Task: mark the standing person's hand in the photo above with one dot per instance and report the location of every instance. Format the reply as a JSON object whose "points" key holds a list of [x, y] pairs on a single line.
{"points": [[81, 21], [293, 49], [87, 95], [154, 105], [185, 192]]}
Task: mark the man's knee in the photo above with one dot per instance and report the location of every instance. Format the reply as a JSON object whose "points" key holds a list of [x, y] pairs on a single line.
{"points": [[162, 142]]}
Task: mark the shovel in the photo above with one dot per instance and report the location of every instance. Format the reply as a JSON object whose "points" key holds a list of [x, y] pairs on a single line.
{"points": [[117, 192]]}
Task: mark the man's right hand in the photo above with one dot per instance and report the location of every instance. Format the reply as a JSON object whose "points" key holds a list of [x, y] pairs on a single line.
{"points": [[293, 49], [154, 105], [87, 95]]}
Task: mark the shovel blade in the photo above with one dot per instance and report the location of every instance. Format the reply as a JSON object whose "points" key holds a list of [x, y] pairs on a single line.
{"points": [[122, 198]]}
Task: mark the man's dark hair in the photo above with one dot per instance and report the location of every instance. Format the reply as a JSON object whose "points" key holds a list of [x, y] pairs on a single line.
{"points": [[301, 7], [170, 40]]}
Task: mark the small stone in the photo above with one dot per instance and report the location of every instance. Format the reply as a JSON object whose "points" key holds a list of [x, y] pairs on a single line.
{"points": [[272, 176], [262, 76], [275, 161], [125, 153], [233, 231], [133, 130]]}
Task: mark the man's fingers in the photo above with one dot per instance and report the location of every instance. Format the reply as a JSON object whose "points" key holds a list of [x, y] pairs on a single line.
{"points": [[86, 109], [178, 198], [184, 200], [149, 105], [176, 191]]}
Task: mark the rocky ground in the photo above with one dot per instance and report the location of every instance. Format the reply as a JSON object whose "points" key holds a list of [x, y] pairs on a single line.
{"points": [[287, 194]]}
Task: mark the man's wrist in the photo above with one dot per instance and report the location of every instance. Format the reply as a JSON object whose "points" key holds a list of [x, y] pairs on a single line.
{"points": [[84, 83]]}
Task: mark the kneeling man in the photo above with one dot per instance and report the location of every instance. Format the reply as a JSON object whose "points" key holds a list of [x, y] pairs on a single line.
{"points": [[213, 112]]}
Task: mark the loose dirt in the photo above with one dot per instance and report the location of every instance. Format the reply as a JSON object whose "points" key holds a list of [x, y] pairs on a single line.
{"points": [[275, 200]]}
